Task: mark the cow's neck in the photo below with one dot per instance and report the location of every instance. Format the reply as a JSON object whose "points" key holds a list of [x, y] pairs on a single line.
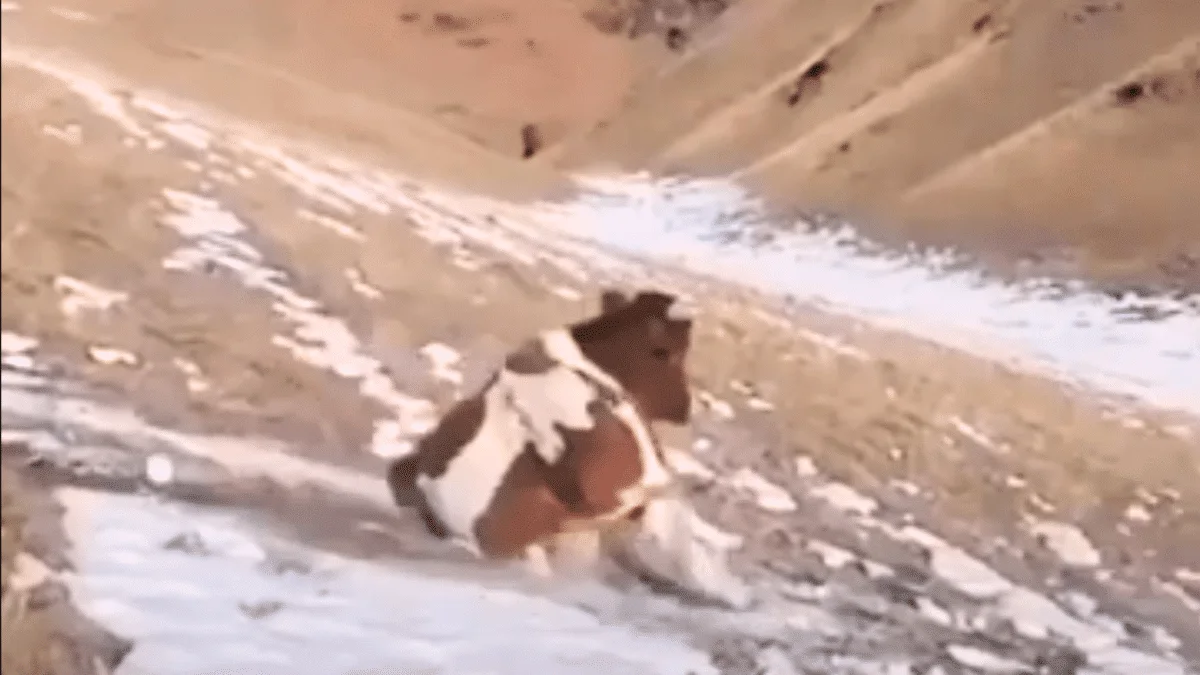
{"points": [[561, 346]]}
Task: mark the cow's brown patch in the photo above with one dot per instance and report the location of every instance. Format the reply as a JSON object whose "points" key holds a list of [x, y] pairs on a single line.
{"points": [[598, 463], [456, 429], [644, 349], [524, 510], [530, 359]]}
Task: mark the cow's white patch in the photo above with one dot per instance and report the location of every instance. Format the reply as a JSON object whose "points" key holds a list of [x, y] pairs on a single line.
{"points": [[462, 494], [546, 401]]}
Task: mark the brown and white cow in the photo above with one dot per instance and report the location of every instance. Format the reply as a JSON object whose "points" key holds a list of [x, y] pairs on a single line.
{"points": [[557, 446]]}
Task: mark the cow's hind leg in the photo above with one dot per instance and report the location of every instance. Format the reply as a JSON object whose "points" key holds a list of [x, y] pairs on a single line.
{"points": [[402, 482]]}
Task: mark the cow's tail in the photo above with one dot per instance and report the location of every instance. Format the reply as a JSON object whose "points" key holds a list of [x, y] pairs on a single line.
{"points": [[402, 480]]}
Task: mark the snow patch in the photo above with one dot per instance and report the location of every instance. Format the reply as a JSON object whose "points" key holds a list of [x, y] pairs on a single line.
{"points": [[845, 498], [444, 359], [80, 296], [768, 496], [319, 339], [1067, 542], [345, 616]]}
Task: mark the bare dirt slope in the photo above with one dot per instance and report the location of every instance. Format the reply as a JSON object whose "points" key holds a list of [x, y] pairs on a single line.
{"points": [[1009, 128], [1057, 133]]}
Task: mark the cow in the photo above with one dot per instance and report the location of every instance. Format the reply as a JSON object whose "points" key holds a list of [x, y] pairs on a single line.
{"points": [[556, 450]]}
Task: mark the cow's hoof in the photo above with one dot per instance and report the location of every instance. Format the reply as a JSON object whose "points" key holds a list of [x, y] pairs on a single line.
{"points": [[537, 562]]}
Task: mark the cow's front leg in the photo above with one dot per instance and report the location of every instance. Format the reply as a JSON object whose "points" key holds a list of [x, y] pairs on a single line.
{"points": [[667, 543], [537, 561], [576, 552]]}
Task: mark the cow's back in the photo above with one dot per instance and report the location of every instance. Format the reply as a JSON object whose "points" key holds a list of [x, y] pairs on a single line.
{"points": [[464, 461]]}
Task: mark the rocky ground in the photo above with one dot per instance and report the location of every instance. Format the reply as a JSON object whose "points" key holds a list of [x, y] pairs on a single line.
{"points": [[196, 273]]}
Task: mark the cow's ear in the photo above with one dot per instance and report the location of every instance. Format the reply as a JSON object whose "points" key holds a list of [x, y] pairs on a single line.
{"points": [[612, 300]]}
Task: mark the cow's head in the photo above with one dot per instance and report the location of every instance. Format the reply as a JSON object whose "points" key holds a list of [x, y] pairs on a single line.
{"points": [[644, 346]]}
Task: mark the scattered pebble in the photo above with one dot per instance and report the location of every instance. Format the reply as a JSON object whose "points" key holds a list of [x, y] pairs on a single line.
{"points": [[1138, 513], [187, 542], [720, 409], [846, 499], [567, 293], [934, 612], [80, 296], [974, 657], [833, 557], [360, 286], [195, 377], [905, 487], [112, 356], [970, 432], [686, 464], [805, 467], [332, 224], [260, 609], [70, 134], [768, 496], [759, 404], [1067, 542]]}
